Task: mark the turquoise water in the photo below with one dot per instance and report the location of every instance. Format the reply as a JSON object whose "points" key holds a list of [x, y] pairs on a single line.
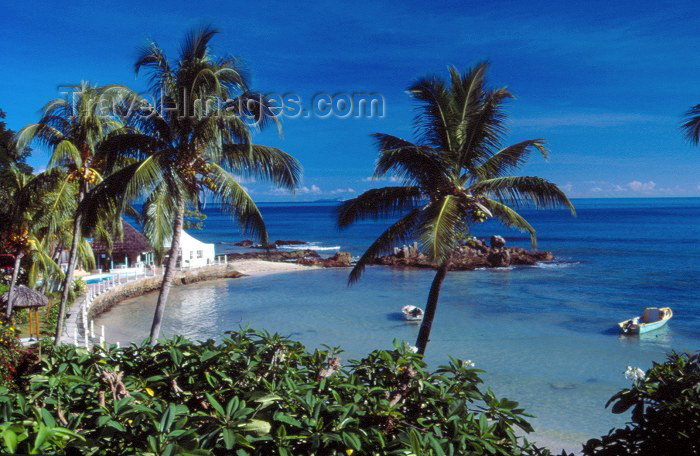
{"points": [[545, 334]]}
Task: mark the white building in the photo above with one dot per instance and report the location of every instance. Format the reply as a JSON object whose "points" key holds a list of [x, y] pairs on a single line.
{"points": [[193, 253]]}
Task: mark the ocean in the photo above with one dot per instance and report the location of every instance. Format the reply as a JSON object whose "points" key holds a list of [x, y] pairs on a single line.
{"points": [[545, 335]]}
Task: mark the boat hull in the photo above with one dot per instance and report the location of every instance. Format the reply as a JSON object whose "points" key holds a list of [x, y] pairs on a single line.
{"points": [[412, 314], [637, 326]]}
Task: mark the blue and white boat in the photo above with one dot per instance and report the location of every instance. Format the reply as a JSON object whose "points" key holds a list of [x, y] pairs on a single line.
{"points": [[652, 318]]}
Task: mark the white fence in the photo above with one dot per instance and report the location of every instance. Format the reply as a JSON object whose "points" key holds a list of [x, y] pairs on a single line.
{"points": [[114, 281]]}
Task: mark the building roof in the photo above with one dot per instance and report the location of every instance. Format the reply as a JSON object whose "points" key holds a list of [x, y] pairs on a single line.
{"points": [[188, 242], [24, 298], [132, 242]]}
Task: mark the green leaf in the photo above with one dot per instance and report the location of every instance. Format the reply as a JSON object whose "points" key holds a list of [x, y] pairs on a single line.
{"points": [[351, 441], [259, 427], [214, 403], [41, 437], [229, 438], [10, 439]]}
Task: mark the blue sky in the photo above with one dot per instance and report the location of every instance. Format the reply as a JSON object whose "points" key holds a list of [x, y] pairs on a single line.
{"points": [[605, 83]]}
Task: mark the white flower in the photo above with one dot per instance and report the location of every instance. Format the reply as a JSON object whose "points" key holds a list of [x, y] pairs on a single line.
{"points": [[411, 348], [635, 374], [468, 363]]}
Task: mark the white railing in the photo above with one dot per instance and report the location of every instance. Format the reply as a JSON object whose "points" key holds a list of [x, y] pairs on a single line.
{"points": [[116, 280]]}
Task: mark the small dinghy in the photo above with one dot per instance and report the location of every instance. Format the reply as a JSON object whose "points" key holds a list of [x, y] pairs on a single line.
{"points": [[412, 313], [652, 318]]}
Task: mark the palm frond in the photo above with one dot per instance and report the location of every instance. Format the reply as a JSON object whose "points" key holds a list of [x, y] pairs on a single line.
{"points": [[523, 190], [119, 189], [234, 198], [378, 203], [510, 158], [435, 120], [42, 134], [691, 127], [158, 214], [86, 257], [41, 262], [484, 129], [64, 153], [261, 162], [397, 234], [444, 220], [196, 43], [412, 164], [510, 218]]}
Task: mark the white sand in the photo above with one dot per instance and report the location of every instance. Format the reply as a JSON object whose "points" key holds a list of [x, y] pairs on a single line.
{"points": [[262, 267]]}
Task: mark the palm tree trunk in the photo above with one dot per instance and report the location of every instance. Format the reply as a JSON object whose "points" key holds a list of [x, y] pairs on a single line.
{"points": [[13, 283], [72, 260], [169, 273], [431, 307]]}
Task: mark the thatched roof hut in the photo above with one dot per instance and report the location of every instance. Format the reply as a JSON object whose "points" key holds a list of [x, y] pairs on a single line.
{"points": [[132, 249], [24, 298], [132, 242]]}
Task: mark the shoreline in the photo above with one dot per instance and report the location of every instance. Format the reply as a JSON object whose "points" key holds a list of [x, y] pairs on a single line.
{"points": [[113, 297], [255, 268], [232, 270]]}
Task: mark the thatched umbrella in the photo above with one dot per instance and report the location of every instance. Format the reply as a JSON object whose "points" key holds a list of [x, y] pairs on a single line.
{"points": [[26, 298]]}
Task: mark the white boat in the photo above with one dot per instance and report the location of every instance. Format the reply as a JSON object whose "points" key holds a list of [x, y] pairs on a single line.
{"points": [[652, 318], [412, 313]]}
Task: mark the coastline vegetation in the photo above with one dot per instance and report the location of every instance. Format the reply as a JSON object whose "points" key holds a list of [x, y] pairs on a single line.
{"points": [[254, 393]]}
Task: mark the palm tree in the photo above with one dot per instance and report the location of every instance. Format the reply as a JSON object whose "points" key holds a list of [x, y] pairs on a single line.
{"points": [[692, 125], [452, 176], [199, 142], [73, 127], [24, 230]]}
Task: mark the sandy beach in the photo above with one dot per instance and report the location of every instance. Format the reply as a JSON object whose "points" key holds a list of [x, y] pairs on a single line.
{"points": [[262, 268]]}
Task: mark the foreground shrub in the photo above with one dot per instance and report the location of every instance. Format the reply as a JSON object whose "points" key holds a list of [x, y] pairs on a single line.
{"points": [[665, 412], [255, 393], [14, 359]]}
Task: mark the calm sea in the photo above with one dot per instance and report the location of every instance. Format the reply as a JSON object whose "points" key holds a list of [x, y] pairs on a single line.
{"points": [[545, 335]]}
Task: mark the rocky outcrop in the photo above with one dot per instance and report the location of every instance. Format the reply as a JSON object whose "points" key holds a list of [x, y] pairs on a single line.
{"points": [[274, 256], [269, 246], [473, 254], [339, 260], [305, 257]]}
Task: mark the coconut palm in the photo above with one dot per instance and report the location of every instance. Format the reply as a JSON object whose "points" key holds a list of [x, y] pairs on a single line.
{"points": [[24, 226], [692, 125], [72, 127], [199, 142], [456, 173]]}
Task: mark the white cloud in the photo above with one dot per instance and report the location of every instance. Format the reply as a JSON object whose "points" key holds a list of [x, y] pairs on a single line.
{"points": [[342, 190], [637, 186], [381, 179], [314, 189], [567, 187]]}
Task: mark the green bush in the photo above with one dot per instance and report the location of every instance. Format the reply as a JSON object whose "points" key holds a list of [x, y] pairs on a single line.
{"points": [[79, 287], [256, 393], [665, 412], [15, 361]]}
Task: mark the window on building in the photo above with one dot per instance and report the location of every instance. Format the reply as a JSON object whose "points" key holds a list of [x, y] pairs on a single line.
{"points": [[200, 254]]}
